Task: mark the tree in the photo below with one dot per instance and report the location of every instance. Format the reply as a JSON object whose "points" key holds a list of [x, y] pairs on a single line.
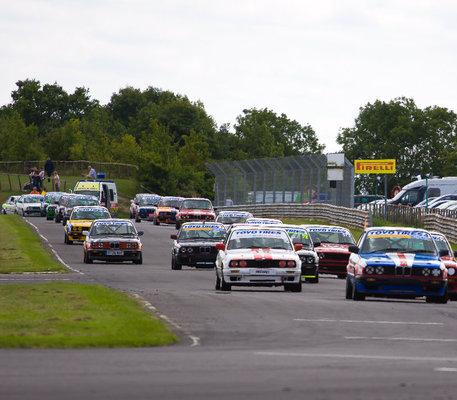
{"points": [[263, 133]]}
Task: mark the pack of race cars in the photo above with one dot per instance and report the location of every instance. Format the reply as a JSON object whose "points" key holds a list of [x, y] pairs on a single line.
{"points": [[248, 251]]}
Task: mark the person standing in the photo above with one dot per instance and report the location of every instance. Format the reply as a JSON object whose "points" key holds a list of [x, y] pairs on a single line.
{"points": [[92, 174], [56, 181], [49, 168], [41, 178]]}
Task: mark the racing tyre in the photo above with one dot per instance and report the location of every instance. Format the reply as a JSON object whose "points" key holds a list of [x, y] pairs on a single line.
{"points": [[312, 280], [437, 299], [356, 295], [156, 222], [225, 287], [342, 276], [296, 287], [139, 261], [348, 288], [218, 283], [178, 226], [67, 241], [176, 266]]}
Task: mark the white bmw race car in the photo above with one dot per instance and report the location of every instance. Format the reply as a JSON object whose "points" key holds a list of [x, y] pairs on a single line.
{"points": [[258, 256]]}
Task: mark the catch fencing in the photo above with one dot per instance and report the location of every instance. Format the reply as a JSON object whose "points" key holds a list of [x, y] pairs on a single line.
{"points": [[72, 168], [333, 214], [296, 179]]}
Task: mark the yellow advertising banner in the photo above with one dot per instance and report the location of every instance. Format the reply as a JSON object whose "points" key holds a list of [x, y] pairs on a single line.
{"points": [[377, 167]]}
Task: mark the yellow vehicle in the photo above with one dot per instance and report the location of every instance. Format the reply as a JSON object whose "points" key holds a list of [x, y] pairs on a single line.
{"points": [[81, 219]]}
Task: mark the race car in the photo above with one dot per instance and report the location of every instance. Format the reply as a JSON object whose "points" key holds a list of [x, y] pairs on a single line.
{"points": [[81, 219], [258, 256], [30, 204], [396, 262], [448, 256], [331, 244], [51, 211], [233, 217], [113, 240], [309, 258], [195, 209], [263, 221], [68, 201], [195, 244], [9, 206], [51, 199], [166, 210], [143, 207]]}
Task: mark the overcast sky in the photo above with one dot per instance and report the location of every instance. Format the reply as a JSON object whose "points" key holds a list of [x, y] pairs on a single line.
{"points": [[317, 61]]}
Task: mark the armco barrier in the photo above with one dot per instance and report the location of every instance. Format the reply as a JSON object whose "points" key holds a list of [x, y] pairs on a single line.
{"points": [[333, 214], [445, 225]]}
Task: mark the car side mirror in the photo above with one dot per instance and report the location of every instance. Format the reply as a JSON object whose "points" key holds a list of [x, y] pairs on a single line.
{"points": [[298, 246], [86, 233], [140, 233], [354, 249], [174, 237], [317, 244], [220, 246], [444, 253]]}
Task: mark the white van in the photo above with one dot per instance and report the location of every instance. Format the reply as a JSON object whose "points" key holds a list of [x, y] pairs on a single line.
{"points": [[414, 192], [105, 191]]}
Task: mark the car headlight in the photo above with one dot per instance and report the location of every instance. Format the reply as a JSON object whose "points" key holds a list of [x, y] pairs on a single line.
{"points": [[436, 272], [190, 249], [310, 260], [321, 255], [369, 270], [182, 249], [379, 270], [451, 271], [426, 271]]}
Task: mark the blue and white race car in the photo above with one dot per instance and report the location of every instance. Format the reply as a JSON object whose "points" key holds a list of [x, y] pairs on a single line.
{"points": [[396, 262], [228, 218]]}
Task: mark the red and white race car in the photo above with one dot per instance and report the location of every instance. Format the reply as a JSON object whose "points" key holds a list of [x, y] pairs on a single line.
{"points": [[258, 256], [332, 245], [449, 261]]}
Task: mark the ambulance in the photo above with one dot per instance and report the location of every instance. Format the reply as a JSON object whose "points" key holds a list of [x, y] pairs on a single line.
{"points": [[105, 191]]}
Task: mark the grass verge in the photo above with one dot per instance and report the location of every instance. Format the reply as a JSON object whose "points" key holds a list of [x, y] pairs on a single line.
{"points": [[21, 250], [69, 315]]}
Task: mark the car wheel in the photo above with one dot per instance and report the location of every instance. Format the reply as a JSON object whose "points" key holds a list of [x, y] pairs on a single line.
{"points": [[218, 283], [348, 288], [225, 287], [356, 295], [176, 266], [67, 241], [342, 276], [178, 226], [294, 287], [156, 221], [139, 261], [437, 299]]}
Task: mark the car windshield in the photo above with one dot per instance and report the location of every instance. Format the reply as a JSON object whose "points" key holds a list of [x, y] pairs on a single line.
{"points": [[90, 213], [260, 221], [331, 235], [259, 238], [173, 203], [95, 193], [232, 218], [197, 204], [149, 201], [299, 235], [117, 228], [33, 199], [202, 232], [398, 241], [52, 197], [441, 243], [83, 201]]}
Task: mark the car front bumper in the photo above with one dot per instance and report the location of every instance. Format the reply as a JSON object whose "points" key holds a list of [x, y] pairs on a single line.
{"points": [[261, 277], [197, 259], [101, 255]]}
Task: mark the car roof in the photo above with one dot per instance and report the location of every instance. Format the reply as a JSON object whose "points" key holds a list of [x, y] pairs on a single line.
{"points": [[196, 198], [323, 226], [287, 226], [111, 220], [210, 223], [78, 207]]}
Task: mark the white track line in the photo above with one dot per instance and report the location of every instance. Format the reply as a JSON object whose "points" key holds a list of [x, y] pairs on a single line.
{"points": [[367, 322], [445, 369], [356, 356], [401, 339], [53, 250], [195, 340]]}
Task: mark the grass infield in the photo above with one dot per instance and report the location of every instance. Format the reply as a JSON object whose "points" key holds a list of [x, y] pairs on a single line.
{"points": [[21, 250], [69, 315]]}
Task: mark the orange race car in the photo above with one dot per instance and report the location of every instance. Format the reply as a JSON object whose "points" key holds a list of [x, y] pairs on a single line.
{"points": [[166, 210]]}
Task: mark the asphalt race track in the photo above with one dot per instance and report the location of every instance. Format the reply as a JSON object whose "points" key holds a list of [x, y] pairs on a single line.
{"points": [[256, 344]]}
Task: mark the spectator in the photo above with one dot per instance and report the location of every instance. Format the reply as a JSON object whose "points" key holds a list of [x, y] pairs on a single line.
{"points": [[56, 181], [91, 174], [35, 178], [35, 191], [49, 168], [41, 178]]}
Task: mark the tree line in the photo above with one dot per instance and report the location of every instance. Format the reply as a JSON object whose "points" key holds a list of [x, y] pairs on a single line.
{"points": [[171, 138]]}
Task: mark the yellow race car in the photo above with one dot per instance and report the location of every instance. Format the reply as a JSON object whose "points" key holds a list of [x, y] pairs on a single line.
{"points": [[80, 221]]}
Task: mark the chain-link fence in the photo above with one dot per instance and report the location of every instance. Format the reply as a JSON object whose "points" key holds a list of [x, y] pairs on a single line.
{"points": [[72, 168], [297, 179]]}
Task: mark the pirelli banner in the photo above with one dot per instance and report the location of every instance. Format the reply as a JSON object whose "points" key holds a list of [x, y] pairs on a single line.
{"points": [[378, 167]]}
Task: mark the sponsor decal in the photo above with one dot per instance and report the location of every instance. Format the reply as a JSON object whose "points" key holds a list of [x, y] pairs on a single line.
{"points": [[296, 231], [394, 233], [257, 232], [262, 254], [203, 227], [323, 229]]}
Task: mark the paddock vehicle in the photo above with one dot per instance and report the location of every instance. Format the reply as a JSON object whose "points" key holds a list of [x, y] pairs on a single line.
{"points": [[396, 262], [30, 204], [144, 206], [9, 206], [51, 198], [309, 258], [195, 209], [195, 244], [104, 190], [68, 201], [258, 256], [448, 257], [81, 219], [263, 221], [166, 210], [331, 244], [233, 217], [113, 240]]}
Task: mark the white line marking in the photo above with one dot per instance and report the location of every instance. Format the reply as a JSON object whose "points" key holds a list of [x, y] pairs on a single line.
{"points": [[195, 340], [406, 339], [38, 279], [357, 356], [445, 369], [368, 322], [53, 251]]}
